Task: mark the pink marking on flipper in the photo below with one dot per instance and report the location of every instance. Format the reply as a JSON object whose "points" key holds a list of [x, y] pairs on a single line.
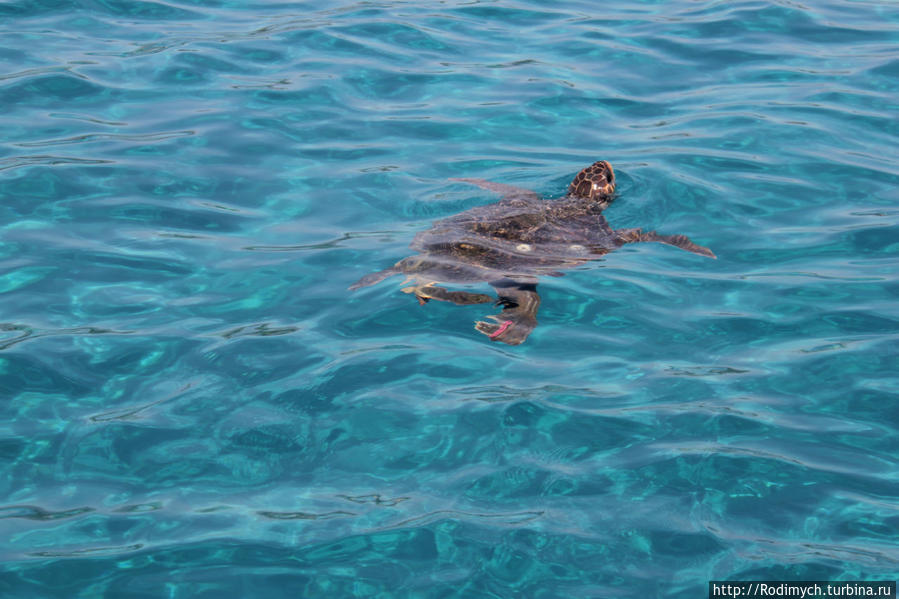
{"points": [[502, 329]]}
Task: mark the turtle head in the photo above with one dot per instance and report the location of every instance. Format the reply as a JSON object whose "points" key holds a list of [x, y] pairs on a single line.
{"points": [[596, 182]]}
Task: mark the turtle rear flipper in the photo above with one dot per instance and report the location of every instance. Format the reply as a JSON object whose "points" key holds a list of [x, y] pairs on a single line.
{"points": [[375, 277], [460, 298], [518, 318]]}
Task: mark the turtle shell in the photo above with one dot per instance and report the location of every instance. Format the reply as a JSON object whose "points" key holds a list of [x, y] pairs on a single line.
{"points": [[514, 239]]}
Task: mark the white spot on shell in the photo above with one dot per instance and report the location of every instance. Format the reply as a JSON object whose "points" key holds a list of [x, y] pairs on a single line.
{"points": [[576, 247], [523, 247]]}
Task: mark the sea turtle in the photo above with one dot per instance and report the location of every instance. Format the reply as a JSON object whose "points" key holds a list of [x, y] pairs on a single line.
{"points": [[510, 243]]}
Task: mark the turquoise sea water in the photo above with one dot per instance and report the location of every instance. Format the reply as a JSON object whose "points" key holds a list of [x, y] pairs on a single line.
{"points": [[193, 406]]}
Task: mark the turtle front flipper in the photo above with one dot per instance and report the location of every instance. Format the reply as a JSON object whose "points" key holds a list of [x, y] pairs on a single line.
{"points": [[507, 191], [683, 242], [519, 315], [430, 291]]}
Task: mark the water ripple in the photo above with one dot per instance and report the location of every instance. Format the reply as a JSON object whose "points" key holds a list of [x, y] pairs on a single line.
{"points": [[16, 162], [106, 137]]}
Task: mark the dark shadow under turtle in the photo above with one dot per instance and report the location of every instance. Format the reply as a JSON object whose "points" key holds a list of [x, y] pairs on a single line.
{"points": [[510, 243]]}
